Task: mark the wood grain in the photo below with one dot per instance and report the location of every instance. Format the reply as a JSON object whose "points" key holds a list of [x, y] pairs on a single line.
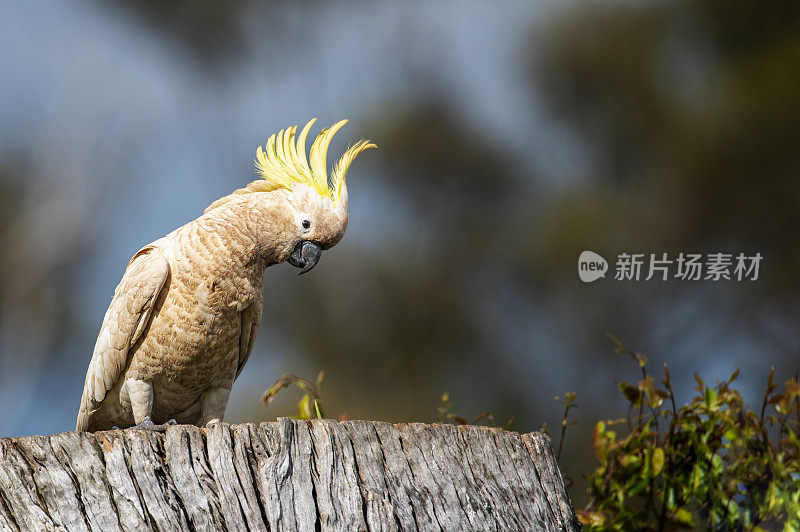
{"points": [[286, 475]]}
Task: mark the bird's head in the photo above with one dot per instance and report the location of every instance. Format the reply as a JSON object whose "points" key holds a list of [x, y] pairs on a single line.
{"points": [[307, 209]]}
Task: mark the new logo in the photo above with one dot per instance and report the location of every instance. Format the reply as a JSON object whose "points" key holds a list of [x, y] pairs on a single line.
{"points": [[591, 266]]}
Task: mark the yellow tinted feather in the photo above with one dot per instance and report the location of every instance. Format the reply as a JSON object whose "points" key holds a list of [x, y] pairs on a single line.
{"points": [[282, 161]]}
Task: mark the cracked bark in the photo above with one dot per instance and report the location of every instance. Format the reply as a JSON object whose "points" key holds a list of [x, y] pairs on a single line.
{"points": [[287, 475]]}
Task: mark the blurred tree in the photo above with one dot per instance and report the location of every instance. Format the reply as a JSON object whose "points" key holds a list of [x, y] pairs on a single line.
{"points": [[686, 112], [212, 32], [689, 111], [43, 231]]}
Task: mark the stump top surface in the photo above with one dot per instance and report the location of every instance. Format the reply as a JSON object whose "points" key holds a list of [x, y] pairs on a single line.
{"points": [[288, 474]]}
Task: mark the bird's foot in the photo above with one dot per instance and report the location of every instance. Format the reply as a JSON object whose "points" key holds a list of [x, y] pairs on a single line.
{"points": [[147, 424], [215, 421]]}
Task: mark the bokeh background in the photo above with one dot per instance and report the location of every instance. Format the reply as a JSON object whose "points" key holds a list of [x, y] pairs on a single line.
{"points": [[512, 137]]}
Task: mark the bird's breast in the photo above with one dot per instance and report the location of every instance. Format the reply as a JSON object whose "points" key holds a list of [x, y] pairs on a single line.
{"points": [[193, 339]]}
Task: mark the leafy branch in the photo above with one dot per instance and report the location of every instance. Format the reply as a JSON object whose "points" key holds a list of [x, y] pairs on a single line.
{"points": [[310, 404], [716, 464]]}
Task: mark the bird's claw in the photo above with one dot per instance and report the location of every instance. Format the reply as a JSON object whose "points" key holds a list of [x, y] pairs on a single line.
{"points": [[147, 424]]}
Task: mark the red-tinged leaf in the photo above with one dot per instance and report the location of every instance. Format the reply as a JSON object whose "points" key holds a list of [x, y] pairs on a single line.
{"points": [[600, 441], [592, 519], [792, 388], [630, 391], [776, 398], [458, 419]]}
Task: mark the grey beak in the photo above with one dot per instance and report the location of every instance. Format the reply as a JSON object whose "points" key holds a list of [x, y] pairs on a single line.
{"points": [[305, 255]]}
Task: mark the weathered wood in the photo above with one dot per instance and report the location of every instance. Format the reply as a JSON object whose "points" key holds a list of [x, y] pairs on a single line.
{"points": [[287, 475]]}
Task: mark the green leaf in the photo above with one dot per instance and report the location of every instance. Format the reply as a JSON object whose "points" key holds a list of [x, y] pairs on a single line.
{"points": [[304, 408], [600, 441], [620, 349], [697, 477], [657, 461], [684, 518], [710, 397], [716, 464], [318, 409], [591, 519], [670, 491]]}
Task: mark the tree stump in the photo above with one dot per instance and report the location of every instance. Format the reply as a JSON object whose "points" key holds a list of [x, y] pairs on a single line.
{"points": [[286, 475]]}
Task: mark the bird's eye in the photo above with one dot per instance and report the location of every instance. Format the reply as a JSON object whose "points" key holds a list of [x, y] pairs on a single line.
{"points": [[306, 224]]}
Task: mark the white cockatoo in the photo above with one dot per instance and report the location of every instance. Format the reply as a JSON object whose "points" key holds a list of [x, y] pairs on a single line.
{"points": [[183, 320]]}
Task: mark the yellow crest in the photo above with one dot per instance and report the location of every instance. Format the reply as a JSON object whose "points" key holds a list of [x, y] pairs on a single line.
{"points": [[282, 161]]}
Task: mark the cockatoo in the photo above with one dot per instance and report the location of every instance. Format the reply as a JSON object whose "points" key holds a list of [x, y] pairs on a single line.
{"points": [[183, 320]]}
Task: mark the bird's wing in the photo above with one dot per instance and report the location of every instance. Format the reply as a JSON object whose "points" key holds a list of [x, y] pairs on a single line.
{"points": [[251, 318], [126, 319]]}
